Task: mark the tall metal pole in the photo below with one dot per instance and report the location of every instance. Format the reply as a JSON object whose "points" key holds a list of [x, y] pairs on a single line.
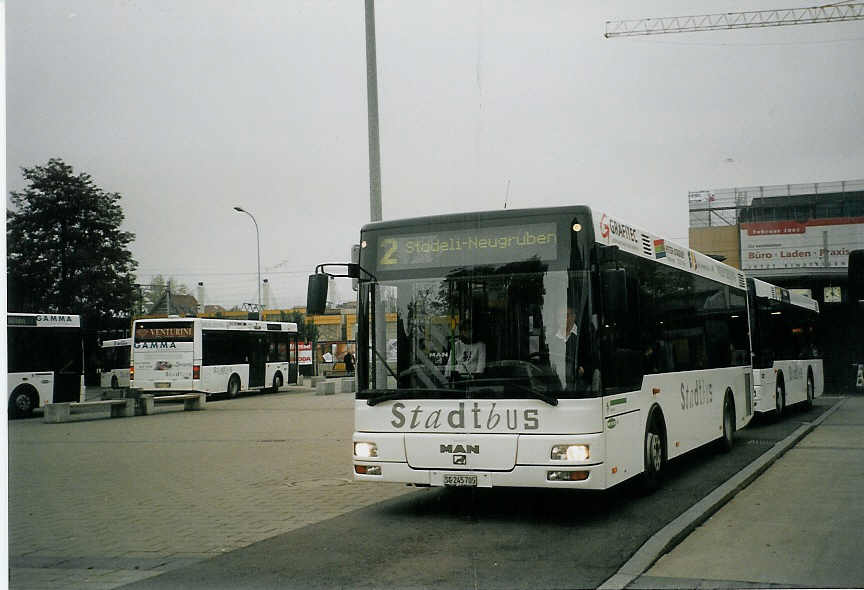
{"points": [[372, 107], [379, 333], [258, 248]]}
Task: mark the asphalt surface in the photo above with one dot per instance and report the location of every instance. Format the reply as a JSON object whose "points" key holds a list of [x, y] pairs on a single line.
{"points": [[99, 502], [499, 538]]}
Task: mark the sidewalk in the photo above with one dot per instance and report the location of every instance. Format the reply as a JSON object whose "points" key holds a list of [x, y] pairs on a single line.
{"points": [[96, 392], [799, 524]]}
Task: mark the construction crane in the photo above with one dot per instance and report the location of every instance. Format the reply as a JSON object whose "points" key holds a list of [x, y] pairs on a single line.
{"points": [[735, 20]]}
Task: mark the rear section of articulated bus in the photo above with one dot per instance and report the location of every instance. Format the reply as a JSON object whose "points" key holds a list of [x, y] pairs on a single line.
{"points": [[162, 355]]}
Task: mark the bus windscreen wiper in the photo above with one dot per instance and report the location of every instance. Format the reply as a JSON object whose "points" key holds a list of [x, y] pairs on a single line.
{"points": [[479, 384], [551, 400], [383, 395]]}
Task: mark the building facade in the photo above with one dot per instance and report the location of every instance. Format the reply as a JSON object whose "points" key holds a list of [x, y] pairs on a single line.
{"points": [[797, 236]]}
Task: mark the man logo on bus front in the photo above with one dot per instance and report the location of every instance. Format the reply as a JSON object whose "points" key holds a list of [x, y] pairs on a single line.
{"points": [[460, 460]]}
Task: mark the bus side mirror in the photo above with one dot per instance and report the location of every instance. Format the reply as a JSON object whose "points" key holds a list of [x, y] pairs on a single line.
{"points": [[615, 293], [316, 295], [355, 261]]}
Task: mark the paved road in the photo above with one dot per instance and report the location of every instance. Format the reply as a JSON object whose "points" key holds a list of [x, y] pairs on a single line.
{"points": [[482, 538], [256, 492], [98, 503]]}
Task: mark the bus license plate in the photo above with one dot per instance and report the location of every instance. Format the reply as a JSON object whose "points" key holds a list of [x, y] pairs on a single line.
{"points": [[162, 384], [460, 481]]}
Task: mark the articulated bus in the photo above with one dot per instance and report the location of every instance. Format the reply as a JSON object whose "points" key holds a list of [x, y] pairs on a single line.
{"points": [[46, 360], [786, 365], [554, 347], [174, 355], [114, 357]]}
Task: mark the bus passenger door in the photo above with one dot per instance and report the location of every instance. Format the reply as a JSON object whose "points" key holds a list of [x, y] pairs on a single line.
{"points": [[257, 359]]}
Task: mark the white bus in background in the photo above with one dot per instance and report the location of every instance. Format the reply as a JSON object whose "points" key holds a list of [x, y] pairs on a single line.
{"points": [[45, 354], [787, 368], [557, 347], [174, 355], [114, 357]]}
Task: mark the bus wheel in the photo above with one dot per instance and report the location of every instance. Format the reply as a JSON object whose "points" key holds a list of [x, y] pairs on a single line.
{"points": [[728, 439], [810, 391], [22, 402], [655, 453], [233, 386], [114, 383], [277, 382], [779, 399]]}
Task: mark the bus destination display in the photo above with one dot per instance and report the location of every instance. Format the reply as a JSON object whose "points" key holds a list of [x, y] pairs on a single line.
{"points": [[468, 247]]}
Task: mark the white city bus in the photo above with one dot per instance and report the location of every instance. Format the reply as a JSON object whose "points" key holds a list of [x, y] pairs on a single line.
{"points": [[786, 365], [553, 347], [45, 361], [212, 355], [114, 357]]}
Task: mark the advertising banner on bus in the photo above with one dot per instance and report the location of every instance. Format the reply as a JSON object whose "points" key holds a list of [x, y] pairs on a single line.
{"points": [[155, 361]]}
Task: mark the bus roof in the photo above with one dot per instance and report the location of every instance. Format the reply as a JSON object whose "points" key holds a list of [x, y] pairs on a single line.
{"points": [[118, 342], [608, 230], [775, 293], [228, 324], [474, 216], [43, 320]]}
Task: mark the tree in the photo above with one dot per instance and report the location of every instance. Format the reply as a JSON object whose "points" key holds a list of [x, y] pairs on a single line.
{"points": [[152, 293], [65, 249], [306, 330]]}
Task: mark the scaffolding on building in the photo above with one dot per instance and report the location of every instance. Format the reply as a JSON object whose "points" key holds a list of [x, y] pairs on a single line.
{"points": [[722, 207]]}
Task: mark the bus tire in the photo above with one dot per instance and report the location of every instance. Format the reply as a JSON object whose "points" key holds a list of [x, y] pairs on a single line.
{"points": [[727, 441], [654, 451], [233, 387], [779, 397], [277, 381], [22, 401], [808, 403], [114, 383]]}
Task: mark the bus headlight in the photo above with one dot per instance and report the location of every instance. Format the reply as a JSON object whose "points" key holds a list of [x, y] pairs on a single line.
{"points": [[570, 453], [365, 450]]}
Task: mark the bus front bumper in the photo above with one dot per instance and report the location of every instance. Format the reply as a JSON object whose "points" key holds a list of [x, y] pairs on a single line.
{"points": [[591, 477]]}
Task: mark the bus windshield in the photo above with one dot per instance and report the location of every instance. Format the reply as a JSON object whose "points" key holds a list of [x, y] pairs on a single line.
{"points": [[518, 330]]}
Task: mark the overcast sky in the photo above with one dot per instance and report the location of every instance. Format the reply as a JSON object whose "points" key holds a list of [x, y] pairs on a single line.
{"points": [[190, 107]]}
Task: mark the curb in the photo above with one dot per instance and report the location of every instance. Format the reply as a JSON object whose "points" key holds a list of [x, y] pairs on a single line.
{"points": [[673, 533]]}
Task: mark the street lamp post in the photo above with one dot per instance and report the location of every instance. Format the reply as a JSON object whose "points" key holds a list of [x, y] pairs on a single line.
{"points": [[258, 246]]}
